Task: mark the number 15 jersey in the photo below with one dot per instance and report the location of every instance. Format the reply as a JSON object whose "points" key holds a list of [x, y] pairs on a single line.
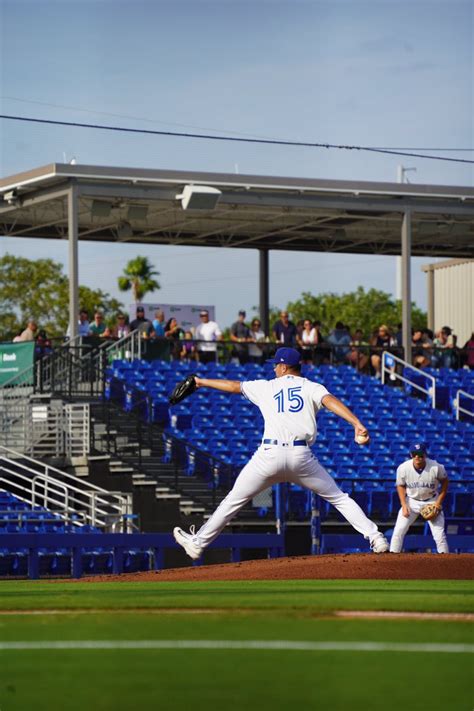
{"points": [[288, 404]]}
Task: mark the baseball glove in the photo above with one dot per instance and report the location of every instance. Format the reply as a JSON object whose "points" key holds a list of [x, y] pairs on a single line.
{"points": [[430, 511], [182, 390]]}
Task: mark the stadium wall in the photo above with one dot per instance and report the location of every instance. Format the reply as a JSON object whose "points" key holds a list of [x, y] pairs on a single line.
{"points": [[451, 296]]}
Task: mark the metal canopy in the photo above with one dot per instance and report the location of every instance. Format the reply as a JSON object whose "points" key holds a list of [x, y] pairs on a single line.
{"points": [[254, 212]]}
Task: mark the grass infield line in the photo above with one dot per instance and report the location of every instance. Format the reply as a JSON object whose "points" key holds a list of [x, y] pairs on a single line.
{"points": [[284, 645]]}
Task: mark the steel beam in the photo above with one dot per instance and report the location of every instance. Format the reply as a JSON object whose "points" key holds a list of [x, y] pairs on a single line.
{"points": [[406, 284], [73, 229], [264, 290]]}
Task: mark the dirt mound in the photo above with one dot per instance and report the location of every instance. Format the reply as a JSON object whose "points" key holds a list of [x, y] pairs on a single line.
{"points": [[399, 566]]}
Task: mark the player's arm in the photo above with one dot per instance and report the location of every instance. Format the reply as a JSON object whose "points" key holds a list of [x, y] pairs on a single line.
{"points": [[227, 386], [334, 405], [402, 495]]}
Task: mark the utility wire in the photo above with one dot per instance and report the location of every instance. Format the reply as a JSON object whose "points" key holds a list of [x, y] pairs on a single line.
{"points": [[235, 139]]}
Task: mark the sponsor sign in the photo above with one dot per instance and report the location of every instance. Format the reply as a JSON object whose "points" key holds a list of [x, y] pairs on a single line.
{"points": [[187, 315], [14, 359]]}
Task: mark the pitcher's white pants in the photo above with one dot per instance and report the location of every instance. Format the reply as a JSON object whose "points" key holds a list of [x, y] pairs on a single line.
{"points": [[403, 524], [273, 464]]}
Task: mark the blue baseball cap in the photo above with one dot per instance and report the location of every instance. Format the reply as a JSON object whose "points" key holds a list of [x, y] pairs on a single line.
{"points": [[287, 356], [418, 448]]}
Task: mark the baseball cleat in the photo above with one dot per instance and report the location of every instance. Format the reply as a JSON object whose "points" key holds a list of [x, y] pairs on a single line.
{"points": [[188, 542], [379, 543]]}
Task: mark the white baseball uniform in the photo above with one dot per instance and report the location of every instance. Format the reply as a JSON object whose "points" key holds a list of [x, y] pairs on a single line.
{"points": [[421, 489], [289, 405]]}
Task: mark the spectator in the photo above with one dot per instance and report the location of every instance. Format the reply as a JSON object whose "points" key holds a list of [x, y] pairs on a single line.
{"points": [[382, 340], [17, 338], [444, 355], [159, 323], [284, 330], [188, 349], [421, 349], [141, 324], [98, 327], [321, 351], [307, 339], [358, 355], [83, 325], [207, 334], [174, 333], [43, 345], [121, 328], [340, 339], [240, 336], [256, 336], [29, 333], [468, 352]]}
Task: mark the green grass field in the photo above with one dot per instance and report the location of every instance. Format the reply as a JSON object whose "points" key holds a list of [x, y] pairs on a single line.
{"points": [[234, 645]]}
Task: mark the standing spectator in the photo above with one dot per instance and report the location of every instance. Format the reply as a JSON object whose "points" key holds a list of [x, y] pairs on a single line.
{"points": [[307, 339], [321, 351], [188, 349], [29, 333], [444, 355], [174, 333], [141, 324], [358, 355], [340, 339], [98, 327], [121, 328], [159, 323], [83, 325], [207, 335], [382, 340], [240, 336], [284, 330], [256, 336]]}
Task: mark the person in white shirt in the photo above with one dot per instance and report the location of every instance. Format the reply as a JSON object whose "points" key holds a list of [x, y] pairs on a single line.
{"points": [[418, 483], [207, 334], [289, 404], [257, 336]]}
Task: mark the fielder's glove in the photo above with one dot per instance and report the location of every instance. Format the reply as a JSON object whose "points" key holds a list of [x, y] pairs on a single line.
{"points": [[182, 390], [430, 511]]}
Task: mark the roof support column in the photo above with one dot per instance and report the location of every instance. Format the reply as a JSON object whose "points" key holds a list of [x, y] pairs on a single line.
{"points": [[431, 299], [406, 284], [264, 289], [73, 267]]}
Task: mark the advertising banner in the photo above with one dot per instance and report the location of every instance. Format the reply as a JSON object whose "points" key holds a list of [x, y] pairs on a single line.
{"points": [[187, 315], [14, 359]]}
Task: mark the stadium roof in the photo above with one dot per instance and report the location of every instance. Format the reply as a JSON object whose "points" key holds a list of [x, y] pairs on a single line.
{"points": [[253, 212]]}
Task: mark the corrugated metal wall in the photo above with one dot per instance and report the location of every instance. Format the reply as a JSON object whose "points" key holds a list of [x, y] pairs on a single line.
{"points": [[454, 299]]}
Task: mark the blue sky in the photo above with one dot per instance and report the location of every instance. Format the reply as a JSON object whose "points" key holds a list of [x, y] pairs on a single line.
{"points": [[385, 73]]}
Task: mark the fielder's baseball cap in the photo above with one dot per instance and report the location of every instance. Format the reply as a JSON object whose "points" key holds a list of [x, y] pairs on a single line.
{"points": [[418, 448], [287, 356]]}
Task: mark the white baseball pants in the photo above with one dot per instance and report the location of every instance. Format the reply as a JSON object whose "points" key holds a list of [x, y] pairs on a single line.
{"points": [[403, 524], [273, 464]]}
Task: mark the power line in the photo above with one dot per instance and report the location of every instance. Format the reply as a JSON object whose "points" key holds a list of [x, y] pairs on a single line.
{"points": [[235, 139]]}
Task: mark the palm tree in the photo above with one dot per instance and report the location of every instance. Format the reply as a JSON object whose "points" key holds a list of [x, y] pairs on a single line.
{"points": [[138, 276]]}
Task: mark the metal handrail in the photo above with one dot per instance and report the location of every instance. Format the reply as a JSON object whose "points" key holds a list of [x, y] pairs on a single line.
{"points": [[457, 404], [431, 392]]}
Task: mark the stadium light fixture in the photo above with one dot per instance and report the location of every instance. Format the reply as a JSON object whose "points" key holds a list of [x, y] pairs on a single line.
{"points": [[199, 197]]}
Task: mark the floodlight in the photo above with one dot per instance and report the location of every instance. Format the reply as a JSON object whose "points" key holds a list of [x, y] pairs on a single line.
{"points": [[199, 197]]}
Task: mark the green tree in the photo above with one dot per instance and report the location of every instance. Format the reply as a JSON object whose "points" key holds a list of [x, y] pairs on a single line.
{"points": [[38, 289], [358, 309], [138, 276]]}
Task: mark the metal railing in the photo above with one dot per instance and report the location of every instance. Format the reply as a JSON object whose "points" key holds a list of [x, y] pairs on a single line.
{"points": [[40, 484], [457, 404], [431, 392]]}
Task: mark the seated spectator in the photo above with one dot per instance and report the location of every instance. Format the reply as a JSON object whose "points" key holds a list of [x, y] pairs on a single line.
{"points": [[98, 327], [382, 340], [340, 339], [174, 333], [421, 349], [121, 328], [284, 330], [468, 353], [141, 324], [240, 336], [256, 336], [188, 349], [159, 323], [29, 333], [307, 338], [444, 349], [358, 355], [43, 345]]}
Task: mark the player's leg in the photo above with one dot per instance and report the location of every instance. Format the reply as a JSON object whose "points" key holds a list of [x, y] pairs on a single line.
{"points": [[439, 534], [401, 527], [313, 476]]}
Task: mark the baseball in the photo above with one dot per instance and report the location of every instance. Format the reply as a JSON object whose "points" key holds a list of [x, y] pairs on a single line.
{"points": [[362, 439]]}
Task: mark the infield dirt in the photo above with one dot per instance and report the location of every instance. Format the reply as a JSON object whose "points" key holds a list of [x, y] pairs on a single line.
{"points": [[399, 566]]}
